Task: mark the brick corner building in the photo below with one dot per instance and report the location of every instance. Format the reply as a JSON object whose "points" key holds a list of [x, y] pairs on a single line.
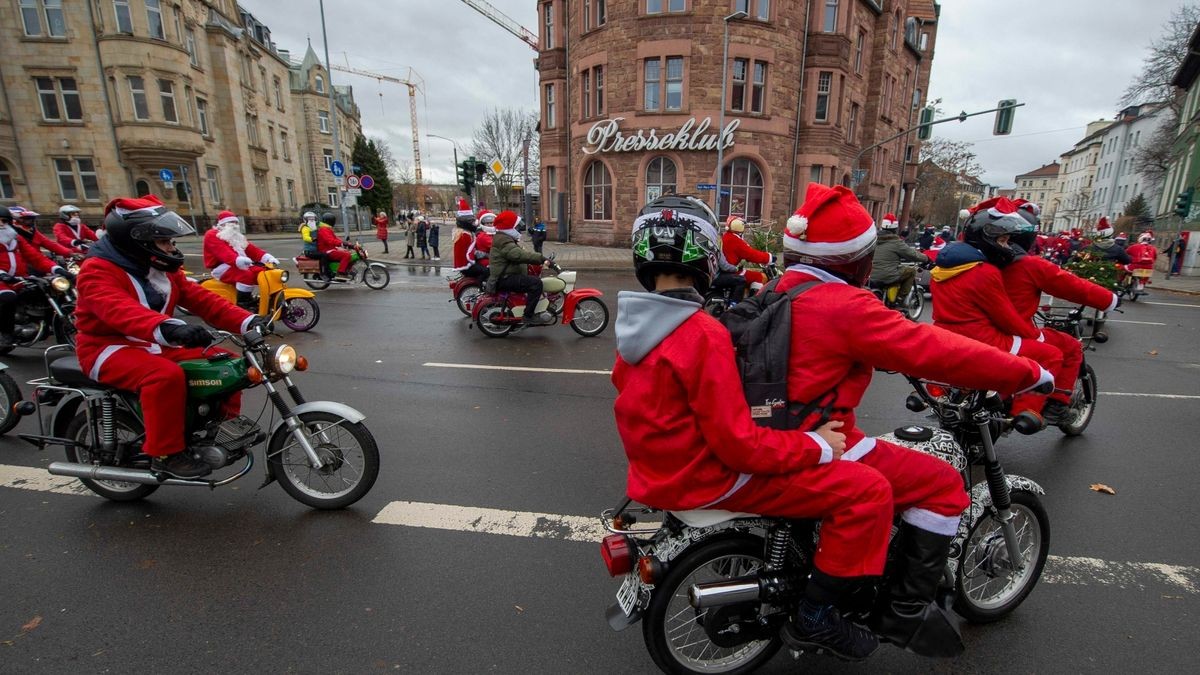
{"points": [[631, 105]]}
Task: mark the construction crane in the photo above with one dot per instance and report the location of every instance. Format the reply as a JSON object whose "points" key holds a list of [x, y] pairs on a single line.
{"points": [[504, 21], [414, 84]]}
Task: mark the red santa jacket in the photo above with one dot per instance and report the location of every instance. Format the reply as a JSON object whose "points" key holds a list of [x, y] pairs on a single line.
{"points": [[680, 412], [42, 241], [327, 240], [381, 227], [481, 244], [969, 298], [1143, 256], [736, 250], [66, 235], [1029, 276], [461, 241], [841, 334], [18, 257], [219, 252], [113, 311]]}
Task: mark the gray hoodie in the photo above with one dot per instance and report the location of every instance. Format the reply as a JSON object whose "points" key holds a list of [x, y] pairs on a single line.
{"points": [[646, 319]]}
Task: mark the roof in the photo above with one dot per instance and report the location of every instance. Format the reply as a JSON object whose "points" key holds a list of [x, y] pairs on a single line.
{"points": [[1050, 169], [1190, 68]]}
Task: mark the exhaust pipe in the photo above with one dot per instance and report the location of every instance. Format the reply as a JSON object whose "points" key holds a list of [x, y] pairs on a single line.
{"points": [[732, 592], [94, 472]]}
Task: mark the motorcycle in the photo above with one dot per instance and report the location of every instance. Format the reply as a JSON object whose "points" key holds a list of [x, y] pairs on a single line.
{"points": [[296, 307], [320, 451], [1134, 284], [714, 588], [45, 306], [362, 270], [500, 313], [717, 300], [465, 291], [10, 395], [1084, 394], [912, 305]]}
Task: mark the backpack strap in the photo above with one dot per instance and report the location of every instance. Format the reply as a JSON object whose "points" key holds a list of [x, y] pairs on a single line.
{"points": [[824, 402]]}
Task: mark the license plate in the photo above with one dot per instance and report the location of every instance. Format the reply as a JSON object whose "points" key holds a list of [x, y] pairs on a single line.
{"points": [[627, 595]]}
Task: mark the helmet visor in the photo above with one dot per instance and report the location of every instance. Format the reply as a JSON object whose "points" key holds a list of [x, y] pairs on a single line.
{"points": [[160, 224]]}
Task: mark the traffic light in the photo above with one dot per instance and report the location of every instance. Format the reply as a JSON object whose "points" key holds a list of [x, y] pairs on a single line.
{"points": [[481, 170], [925, 131], [1004, 117], [1183, 203], [466, 176]]}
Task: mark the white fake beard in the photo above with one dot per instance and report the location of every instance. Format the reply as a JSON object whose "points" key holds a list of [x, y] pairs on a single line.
{"points": [[161, 282], [8, 237], [232, 235]]}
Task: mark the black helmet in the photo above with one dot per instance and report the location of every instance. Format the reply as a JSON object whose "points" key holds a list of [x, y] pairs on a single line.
{"points": [[329, 218], [134, 225], [676, 234], [990, 220]]}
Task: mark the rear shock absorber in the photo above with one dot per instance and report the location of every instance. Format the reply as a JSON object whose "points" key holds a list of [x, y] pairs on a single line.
{"points": [[108, 434], [777, 547]]}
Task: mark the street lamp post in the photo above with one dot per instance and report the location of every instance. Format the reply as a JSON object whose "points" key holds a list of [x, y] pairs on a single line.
{"points": [[337, 147], [455, 144], [721, 123]]}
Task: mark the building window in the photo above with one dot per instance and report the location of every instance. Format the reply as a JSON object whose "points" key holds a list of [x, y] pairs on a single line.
{"points": [[814, 173], [279, 190], [291, 193], [327, 154], [759, 9], [189, 43], [323, 120], [262, 77], [551, 121], [824, 86], [320, 84], [758, 87], [585, 92], [858, 51], [154, 19], [744, 180], [660, 178], [737, 90], [59, 98], [177, 15], [598, 73], [260, 188], [75, 173], [278, 93], [252, 129], [274, 147], [660, 6], [894, 31], [886, 106], [552, 192], [852, 128], [32, 12], [675, 83], [924, 42], [214, 184], [741, 70], [124, 18], [548, 26], [597, 192], [651, 75], [6, 181], [831, 16], [137, 89], [283, 142], [595, 14], [166, 94], [202, 115], [331, 195]]}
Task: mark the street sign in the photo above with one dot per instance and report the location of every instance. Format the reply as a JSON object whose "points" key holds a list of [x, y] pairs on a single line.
{"points": [[366, 182], [166, 175], [705, 187], [355, 192], [350, 200], [168, 185], [725, 192], [337, 168], [352, 181], [355, 168], [496, 167], [859, 175]]}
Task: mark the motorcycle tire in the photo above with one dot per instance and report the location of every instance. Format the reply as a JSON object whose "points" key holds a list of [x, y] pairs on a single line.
{"points": [[283, 446], [591, 317], [985, 554], [492, 330], [915, 305], [127, 427], [10, 394], [300, 314], [316, 282], [1083, 403], [467, 298], [376, 276], [669, 602]]}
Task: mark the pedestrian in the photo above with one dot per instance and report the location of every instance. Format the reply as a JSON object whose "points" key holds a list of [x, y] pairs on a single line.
{"points": [[381, 229], [423, 239], [433, 238], [538, 235], [1175, 249], [410, 238]]}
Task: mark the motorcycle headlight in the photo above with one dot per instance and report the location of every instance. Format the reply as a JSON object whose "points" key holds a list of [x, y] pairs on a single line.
{"points": [[61, 284], [285, 359], [284, 277]]}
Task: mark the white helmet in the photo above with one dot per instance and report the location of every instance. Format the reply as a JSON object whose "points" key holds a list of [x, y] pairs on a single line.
{"points": [[308, 215], [66, 210]]}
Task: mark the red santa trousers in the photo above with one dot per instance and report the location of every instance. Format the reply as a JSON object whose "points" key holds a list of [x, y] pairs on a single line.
{"points": [[857, 499], [162, 390], [1072, 358], [244, 280], [342, 257], [1051, 358]]}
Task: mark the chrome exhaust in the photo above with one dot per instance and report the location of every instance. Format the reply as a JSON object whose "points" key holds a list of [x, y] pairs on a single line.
{"points": [[732, 592], [113, 473]]}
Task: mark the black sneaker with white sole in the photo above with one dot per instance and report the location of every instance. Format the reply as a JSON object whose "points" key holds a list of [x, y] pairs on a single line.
{"points": [[824, 628], [180, 465]]}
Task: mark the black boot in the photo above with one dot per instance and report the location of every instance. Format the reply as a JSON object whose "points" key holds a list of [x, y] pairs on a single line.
{"points": [[245, 300], [181, 465], [913, 619], [819, 625], [1054, 411]]}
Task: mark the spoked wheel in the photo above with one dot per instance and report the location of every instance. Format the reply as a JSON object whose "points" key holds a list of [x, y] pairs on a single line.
{"points": [[376, 276], [126, 428], [914, 304], [300, 314], [316, 282], [488, 315], [989, 584], [10, 393], [591, 317], [676, 634], [467, 298], [349, 461], [1083, 403]]}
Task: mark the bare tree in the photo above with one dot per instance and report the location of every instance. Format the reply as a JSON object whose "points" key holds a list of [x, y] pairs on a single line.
{"points": [[404, 187], [1152, 159], [501, 136], [948, 173], [385, 154], [1165, 55]]}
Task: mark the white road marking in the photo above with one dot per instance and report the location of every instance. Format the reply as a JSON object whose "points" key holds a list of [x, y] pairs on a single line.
{"points": [[1081, 571], [522, 369], [1143, 323], [1169, 304], [33, 478], [1186, 397]]}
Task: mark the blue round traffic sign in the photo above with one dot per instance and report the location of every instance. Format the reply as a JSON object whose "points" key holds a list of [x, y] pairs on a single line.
{"points": [[366, 182], [166, 175], [337, 168]]}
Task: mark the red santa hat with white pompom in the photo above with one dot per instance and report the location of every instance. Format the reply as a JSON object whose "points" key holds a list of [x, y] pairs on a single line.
{"points": [[890, 222], [464, 209], [226, 217], [831, 226]]}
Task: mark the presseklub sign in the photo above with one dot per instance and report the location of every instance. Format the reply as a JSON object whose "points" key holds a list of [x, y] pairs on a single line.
{"points": [[605, 136]]}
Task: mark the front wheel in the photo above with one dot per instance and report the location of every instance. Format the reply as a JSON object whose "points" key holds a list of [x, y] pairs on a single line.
{"points": [[376, 276], [127, 429], [590, 318], [989, 586], [300, 314], [1083, 403], [677, 635], [467, 298], [10, 393], [914, 304], [349, 461]]}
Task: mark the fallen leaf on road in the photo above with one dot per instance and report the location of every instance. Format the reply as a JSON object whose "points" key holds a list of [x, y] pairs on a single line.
{"points": [[519, 608], [1153, 352], [146, 564], [1101, 487], [33, 623]]}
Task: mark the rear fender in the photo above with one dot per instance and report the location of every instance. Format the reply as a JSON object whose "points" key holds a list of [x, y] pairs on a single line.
{"points": [[481, 302], [573, 299], [220, 288]]}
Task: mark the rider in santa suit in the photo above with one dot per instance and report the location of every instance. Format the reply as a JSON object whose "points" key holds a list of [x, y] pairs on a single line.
{"points": [[480, 250], [128, 291], [70, 230], [463, 242], [17, 259], [330, 245], [25, 223], [736, 251], [231, 258]]}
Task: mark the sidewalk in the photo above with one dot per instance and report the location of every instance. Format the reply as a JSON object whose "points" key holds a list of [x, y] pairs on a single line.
{"points": [[1176, 284]]}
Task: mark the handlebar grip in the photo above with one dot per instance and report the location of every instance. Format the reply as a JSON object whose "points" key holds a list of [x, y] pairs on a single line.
{"points": [[1027, 423], [1044, 388]]}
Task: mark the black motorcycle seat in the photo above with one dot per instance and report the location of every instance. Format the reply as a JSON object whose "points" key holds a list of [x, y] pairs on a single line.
{"points": [[68, 371]]}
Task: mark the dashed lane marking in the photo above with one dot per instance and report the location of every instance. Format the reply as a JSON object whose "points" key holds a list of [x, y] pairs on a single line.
{"points": [[1169, 304], [1142, 323], [522, 369], [33, 478], [1186, 397]]}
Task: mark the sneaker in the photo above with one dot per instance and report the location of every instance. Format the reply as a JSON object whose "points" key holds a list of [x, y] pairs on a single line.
{"points": [[1054, 411], [180, 465], [824, 628]]}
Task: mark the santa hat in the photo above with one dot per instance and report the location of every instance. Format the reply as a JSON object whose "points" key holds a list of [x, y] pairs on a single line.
{"points": [[507, 221], [486, 217], [831, 226], [464, 209], [127, 205], [735, 224], [1103, 229], [226, 217], [890, 222]]}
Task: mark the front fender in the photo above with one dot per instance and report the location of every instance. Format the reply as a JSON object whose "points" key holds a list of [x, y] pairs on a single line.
{"points": [[573, 299], [333, 407], [981, 501], [289, 293]]}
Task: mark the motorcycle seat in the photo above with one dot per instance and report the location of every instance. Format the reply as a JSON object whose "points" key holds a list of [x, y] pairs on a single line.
{"points": [[709, 517], [68, 371]]}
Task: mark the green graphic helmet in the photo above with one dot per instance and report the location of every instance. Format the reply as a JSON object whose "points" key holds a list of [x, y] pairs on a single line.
{"points": [[676, 235]]}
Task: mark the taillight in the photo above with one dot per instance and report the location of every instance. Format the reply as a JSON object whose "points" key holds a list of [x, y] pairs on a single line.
{"points": [[935, 391], [617, 551]]}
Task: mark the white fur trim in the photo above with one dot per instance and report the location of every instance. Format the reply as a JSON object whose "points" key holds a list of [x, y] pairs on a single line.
{"points": [[890, 224], [158, 336], [220, 270], [859, 450], [826, 449], [7, 290], [1016, 345], [831, 248], [797, 225], [226, 220], [244, 287], [12, 263], [1112, 305], [815, 272], [738, 484], [108, 351], [930, 521], [246, 323]]}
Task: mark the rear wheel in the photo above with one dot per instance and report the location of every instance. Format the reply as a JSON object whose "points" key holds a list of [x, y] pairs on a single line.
{"points": [[914, 304], [989, 585], [467, 298], [488, 314], [300, 314], [1083, 403], [316, 282], [376, 276], [10, 394], [126, 428], [591, 317]]}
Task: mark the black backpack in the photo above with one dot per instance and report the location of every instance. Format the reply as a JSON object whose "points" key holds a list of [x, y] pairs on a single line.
{"points": [[761, 328]]}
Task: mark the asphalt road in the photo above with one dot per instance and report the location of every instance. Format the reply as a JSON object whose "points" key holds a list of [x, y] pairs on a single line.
{"points": [[240, 580]]}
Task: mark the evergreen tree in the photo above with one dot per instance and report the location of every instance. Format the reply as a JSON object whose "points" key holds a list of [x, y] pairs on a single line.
{"points": [[366, 157], [1138, 209]]}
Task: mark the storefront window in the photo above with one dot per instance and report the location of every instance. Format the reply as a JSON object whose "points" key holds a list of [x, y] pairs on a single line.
{"points": [[597, 192], [744, 180], [660, 178]]}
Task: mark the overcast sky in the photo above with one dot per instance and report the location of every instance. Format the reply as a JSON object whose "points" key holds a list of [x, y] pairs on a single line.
{"points": [[1068, 60]]}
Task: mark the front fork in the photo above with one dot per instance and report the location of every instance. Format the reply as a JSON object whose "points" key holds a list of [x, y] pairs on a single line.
{"points": [[293, 423], [998, 488]]}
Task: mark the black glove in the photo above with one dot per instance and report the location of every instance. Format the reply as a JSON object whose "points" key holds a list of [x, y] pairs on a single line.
{"points": [[76, 242], [7, 278], [258, 322], [185, 335]]}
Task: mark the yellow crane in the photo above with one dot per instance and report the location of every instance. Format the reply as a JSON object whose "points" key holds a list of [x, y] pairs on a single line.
{"points": [[504, 21], [414, 84]]}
